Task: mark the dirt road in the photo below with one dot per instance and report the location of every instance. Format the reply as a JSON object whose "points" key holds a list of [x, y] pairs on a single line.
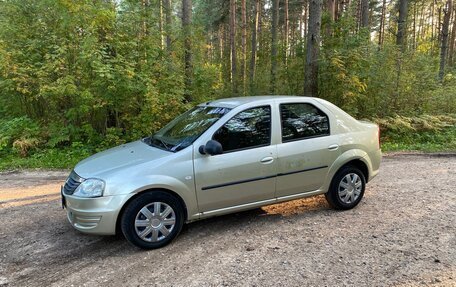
{"points": [[402, 234]]}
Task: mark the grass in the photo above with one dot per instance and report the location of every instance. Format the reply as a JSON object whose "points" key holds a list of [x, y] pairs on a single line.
{"points": [[50, 159], [428, 141]]}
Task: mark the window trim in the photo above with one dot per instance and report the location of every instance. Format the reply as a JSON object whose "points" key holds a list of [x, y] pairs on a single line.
{"points": [[304, 138], [252, 147]]}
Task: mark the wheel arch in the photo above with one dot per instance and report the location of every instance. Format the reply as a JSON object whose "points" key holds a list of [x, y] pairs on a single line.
{"points": [[333, 195], [355, 157], [173, 193], [361, 165]]}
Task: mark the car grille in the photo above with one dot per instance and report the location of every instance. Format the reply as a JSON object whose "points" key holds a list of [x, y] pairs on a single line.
{"points": [[72, 182]]}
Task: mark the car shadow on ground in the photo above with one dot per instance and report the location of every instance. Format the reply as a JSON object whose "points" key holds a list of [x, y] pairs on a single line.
{"points": [[215, 226], [289, 211]]}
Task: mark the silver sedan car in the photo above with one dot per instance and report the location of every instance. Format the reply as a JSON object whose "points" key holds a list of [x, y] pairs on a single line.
{"points": [[221, 157]]}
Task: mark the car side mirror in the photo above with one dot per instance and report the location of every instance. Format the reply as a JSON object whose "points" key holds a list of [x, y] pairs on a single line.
{"points": [[212, 147]]}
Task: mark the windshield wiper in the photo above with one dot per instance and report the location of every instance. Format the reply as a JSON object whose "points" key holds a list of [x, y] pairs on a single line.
{"points": [[157, 142], [164, 144]]}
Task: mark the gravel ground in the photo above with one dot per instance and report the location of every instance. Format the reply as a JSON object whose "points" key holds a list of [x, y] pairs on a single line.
{"points": [[403, 233]]}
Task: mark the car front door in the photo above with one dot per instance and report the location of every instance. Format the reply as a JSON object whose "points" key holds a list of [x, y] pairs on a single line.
{"points": [[307, 151], [246, 170]]}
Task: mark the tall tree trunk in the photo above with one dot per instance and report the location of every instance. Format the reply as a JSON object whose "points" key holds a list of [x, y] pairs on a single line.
{"points": [[313, 48], [227, 54], [244, 45], [161, 25], [452, 40], [301, 21], [402, 23], [400, 41], [233, 46], [421, 23], [294, 23], [168, 22], [256, 13], [275, 24], [260, 28], [340, 4], [432, 19], [439, 27], [365, 13], [414, 26], [144, 31], [331, 9], [145, 6], [306, 17], [186, 27], [220, 43], [382, 24], [287, 31], [358, 15], [444, 44], [209, 37]]}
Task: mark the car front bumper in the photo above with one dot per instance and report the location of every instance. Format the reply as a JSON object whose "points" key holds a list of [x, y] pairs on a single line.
{"points": [[94, 215]]}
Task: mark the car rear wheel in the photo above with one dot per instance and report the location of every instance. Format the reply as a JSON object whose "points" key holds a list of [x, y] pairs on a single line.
{"points": [[152, 220], [347, 188]]}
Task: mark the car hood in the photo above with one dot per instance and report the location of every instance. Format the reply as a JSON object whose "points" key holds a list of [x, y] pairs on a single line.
{"points": [[117, 158]]}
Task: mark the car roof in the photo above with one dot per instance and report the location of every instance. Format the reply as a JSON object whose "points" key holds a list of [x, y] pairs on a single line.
{"points": [[238, 101]]}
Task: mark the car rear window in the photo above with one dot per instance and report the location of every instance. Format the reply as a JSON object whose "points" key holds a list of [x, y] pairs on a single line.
{"points": [[301, 121]]}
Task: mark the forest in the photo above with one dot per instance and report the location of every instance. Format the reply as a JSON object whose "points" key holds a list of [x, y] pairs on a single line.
{"points": [[77, 77]]}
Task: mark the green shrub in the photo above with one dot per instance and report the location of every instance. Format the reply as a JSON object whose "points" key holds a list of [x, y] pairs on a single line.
{"points": [[113, 137], [20, 135], [424, 133]]}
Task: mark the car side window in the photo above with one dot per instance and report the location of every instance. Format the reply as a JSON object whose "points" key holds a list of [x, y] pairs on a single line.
{"points": [[248, 129], [301, 121]]}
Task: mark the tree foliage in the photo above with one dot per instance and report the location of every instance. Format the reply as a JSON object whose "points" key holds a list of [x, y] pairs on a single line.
{"points": [[99, 73]]}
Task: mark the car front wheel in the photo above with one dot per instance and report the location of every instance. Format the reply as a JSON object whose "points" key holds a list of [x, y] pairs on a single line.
{"points": [[152, 220], [347, 188]]}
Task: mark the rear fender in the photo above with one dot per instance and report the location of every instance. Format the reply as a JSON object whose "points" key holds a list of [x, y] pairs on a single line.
{"points": [[343, 159]]}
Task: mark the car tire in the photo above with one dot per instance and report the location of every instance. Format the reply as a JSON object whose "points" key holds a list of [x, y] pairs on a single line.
{"points": [[346, 189], [152, 220]]}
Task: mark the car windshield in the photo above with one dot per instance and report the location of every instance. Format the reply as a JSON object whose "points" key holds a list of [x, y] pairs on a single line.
{"points": [[186, 128]]}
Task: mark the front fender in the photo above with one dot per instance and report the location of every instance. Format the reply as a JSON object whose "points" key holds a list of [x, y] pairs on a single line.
{"points": [[185, 190]]}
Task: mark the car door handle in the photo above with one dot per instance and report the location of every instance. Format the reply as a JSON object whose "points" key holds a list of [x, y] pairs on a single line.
{"points": [[333, 147], [267, 160]]}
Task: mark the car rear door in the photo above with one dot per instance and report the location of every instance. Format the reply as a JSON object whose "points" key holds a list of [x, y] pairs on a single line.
{"points": [[307, 149]]}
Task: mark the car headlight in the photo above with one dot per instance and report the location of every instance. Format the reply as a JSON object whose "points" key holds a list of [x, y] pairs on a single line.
{"points": [[91, 187]]}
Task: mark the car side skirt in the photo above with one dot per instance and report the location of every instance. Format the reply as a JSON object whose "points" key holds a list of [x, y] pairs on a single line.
{"points": [[257, 204]]}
